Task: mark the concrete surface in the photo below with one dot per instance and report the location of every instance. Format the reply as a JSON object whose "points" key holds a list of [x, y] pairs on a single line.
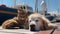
{"points": [[24, 31], [15, 31], [56, 31]]}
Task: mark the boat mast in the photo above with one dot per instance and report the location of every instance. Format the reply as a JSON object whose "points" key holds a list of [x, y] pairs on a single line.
{"points": [[36, 6], [58, 11], [44, 8], [14, 3]]}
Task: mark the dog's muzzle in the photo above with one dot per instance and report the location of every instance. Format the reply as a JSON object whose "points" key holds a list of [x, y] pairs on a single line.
{"points": [[32, 27]]}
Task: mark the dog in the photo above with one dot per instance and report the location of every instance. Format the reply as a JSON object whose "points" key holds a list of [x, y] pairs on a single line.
{"points": [[18, 22], [39, 22]]}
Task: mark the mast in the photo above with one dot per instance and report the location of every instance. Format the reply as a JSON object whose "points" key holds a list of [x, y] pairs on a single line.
{"points": [[36, 6], [44, 8], [58, 11], [14, 3]]}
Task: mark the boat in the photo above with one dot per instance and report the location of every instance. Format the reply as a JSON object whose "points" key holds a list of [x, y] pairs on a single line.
{"points": [[8, 13]]}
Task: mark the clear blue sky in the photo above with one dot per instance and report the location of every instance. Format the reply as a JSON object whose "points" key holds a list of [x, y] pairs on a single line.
{"points": [[52, 5]]}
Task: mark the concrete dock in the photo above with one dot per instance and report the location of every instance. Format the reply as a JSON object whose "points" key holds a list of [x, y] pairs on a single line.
{"points": [[15, 31], [24, 31]]}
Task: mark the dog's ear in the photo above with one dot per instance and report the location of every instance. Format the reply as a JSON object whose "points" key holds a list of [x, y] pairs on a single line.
{"points": [[45, 22], [45, 25], [45, 19]]}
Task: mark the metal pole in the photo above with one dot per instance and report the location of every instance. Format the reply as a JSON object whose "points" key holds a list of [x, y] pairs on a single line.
{"points": [[58, 12], [44, 8], [14, 3], [36, 6]]}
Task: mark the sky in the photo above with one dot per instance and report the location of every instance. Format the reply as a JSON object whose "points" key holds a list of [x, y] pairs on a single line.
{"points": [[52, 5]]}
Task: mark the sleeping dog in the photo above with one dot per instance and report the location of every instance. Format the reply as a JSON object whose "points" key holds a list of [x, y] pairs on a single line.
{"points": [[38, 22]]}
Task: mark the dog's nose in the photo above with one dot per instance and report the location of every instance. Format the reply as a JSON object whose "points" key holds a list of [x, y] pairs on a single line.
{"points": [[32, 27]]}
